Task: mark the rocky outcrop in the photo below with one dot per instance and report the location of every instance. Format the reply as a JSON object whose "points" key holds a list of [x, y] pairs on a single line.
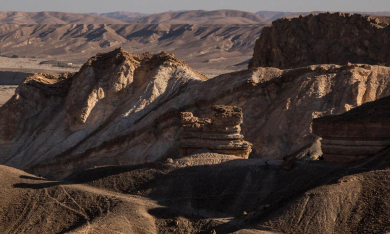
{"points": [[122, 109], [38, 97], [52, 121], [357, 134], [327, 38], [220, 134]]}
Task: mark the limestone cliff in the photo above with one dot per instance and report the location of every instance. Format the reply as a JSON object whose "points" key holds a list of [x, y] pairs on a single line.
{"points": [[359, 133], [55, 120], [122, 108], [327, 38], [220, 134]]}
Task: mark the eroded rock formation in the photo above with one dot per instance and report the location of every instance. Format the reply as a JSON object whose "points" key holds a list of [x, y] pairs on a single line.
{"points": [[327, 38], [51, 121], [359, 133], [122, 108], [221, 133]]}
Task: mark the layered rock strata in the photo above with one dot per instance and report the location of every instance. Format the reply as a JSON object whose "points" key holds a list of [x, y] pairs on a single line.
{"points": [[327, 38], [357, 134], [122, 109], [221, 133]]}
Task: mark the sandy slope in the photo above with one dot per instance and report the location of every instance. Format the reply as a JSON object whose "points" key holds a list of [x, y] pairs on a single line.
{"points": [[232, 196], [30, 204]]}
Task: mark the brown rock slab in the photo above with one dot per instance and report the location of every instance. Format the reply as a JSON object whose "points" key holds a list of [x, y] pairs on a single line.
{"points": [[220, 134]]}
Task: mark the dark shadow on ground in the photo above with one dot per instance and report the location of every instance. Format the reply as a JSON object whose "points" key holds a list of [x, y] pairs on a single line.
{"points": [[244, 193], [32, 178], [39, 186], [77, 178]]}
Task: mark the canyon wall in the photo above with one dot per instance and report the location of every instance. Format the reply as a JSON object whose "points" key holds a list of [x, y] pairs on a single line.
{"points": [[326, 38], [122, 108], [357, 134]]}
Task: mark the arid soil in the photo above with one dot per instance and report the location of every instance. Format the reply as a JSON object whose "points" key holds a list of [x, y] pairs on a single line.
{"points": [[30, 204], [34, 65], [106, 137], [230, 196]]}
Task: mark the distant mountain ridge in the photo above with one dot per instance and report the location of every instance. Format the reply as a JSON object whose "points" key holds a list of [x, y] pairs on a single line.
{"points": [[171, 17], [202, 17], [124, 16], [14, 17]]}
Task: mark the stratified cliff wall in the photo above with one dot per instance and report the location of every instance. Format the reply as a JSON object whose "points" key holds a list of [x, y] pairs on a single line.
{"points": [[359, 133], [122, 108], [327, 38]]}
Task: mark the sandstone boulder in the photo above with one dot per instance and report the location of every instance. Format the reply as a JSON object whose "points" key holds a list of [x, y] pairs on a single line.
{"points": [[220, 134]]}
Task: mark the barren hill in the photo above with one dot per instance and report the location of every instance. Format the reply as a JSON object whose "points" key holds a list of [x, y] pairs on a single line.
{"points": [[54, 18], [66, 208], [203, 46], [110, 133], [235, 196], [202, 17], [122, 108]]}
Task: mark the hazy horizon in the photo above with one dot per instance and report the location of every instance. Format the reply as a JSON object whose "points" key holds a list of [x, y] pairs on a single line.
{"points": [[158, 6]]}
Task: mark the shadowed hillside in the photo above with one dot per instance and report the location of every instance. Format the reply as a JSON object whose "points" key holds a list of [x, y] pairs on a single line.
{"points": [[234, 196]]}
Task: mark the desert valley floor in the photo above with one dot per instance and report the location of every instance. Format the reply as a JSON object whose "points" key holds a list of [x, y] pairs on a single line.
{"points": [[194, 122]]}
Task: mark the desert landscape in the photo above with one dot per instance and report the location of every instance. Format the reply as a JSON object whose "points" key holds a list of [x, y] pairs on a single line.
{"points": [[195, 121]]}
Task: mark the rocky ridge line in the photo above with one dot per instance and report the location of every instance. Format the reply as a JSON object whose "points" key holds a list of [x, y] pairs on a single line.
{"points": [[326, 38]]}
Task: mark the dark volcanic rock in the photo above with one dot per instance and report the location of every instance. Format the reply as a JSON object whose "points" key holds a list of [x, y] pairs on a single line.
{"points": [[328, 38]]}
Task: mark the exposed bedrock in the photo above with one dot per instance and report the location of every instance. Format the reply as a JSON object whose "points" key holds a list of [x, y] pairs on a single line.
{"points": [[359, 133], [221, 133], [327, 38], [122, 108]]}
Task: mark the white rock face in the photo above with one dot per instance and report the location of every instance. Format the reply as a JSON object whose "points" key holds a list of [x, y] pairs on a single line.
{"points": [[125, 109]]}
